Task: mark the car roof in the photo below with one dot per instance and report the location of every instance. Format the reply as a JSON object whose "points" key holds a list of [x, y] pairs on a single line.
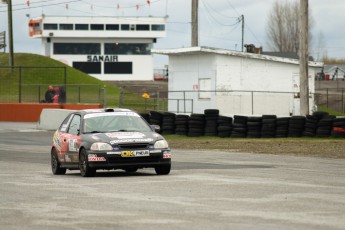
{"points": [[88, 111]]}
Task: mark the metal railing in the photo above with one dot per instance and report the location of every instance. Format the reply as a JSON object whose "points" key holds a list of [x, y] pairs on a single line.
{"points": [[28, 84], [75, 93]]}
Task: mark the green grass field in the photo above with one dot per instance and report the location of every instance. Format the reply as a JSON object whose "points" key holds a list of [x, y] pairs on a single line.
{"points": [[37, 79]]}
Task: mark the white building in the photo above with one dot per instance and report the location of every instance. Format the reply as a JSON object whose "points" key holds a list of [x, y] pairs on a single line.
{"points": [[234, 82], [108, 48]]}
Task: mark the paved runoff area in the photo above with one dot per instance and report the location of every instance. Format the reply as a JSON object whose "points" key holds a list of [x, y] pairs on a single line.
{"points": [[205, 190]]}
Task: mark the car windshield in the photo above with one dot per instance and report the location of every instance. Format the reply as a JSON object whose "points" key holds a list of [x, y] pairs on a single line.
{"points": [[114, 122]]}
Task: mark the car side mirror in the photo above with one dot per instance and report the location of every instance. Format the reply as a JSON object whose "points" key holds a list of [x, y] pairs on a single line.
{"points": [[156, 128]]}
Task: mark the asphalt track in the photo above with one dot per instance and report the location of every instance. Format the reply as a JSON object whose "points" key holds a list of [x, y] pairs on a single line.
{"points": [[205, 190]]}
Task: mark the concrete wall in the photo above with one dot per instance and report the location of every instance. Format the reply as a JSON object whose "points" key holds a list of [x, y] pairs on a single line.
{"points": [[30, 112]]}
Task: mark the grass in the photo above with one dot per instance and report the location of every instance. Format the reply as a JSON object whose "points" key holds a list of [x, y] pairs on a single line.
{"points": [[9, 79], [331, 112]]}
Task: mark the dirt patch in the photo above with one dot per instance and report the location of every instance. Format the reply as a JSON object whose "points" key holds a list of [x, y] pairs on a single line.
{"points": [[327, 147]]}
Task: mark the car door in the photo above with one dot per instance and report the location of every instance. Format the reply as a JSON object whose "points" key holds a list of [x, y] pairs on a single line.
{"points": [[71, 140]]}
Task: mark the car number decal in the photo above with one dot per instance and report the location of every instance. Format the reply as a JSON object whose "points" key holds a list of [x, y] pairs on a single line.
{"points": [[72, 145], [138, 153]]}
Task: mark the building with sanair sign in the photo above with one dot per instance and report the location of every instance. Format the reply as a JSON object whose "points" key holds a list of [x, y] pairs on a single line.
{"points": [[108, 48]]}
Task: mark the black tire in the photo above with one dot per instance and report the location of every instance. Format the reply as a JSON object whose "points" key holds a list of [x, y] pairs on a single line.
{"points": [[85, 170], [163, 169], [56, 167]]}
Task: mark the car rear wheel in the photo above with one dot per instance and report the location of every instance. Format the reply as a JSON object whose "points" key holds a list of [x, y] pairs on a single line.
{"points": [[56, 167], [163, 169], [85, 170]]}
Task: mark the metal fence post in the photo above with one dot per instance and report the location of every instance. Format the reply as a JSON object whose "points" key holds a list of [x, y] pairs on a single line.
{"points": [[78, 93], [342, 100], [39, 93], [252, 102], [327, 98], [20, 85], [121, 97], [105, 96], [163, 104], [184, 101]]}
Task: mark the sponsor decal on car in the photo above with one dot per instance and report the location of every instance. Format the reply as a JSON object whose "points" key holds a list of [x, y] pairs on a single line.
{"points": [[155, 151], [137, 153], [94, 157], [166, 155], [72, 145], [125, 135], [56, 141], [131, 141], [114, 153], [111, 114]]}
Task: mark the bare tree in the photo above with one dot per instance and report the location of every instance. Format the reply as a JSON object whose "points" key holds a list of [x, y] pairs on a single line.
{"points": [[283, 27], [320, 48]]}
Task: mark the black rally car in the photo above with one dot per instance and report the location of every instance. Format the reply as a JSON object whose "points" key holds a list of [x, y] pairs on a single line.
{"points": [[88, 140]]}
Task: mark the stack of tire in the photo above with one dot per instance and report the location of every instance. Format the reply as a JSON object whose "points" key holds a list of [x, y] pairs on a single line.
{"points": [[324, 126], [211, 119], [282, 127], [156, 118], [181, 124], [224, 126], [268, 129], [310, 126], [168, 123], [254, 127], [239, 126], [296, 126], [338, 127], [196, 125], [320, 114]]}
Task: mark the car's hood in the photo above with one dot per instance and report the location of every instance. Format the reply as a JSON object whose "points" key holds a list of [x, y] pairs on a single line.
{"points": [[124, 137]]}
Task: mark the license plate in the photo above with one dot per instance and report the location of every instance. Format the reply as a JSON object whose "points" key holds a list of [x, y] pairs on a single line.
{"points": [[137, 153]]}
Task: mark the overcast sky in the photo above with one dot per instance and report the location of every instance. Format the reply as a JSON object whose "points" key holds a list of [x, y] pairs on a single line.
{"points": [[218, 21]]}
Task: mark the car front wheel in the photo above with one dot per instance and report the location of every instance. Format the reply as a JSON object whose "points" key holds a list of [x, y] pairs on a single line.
{"points": [[163, 169], [85, 170], [56, 167]]}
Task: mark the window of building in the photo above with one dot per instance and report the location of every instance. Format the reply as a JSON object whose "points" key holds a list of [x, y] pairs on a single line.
{"points": [[118, 68], [112, 27], [88, 67], [50, 26], [125, 27], [77, 48], [81, 26], [66, 26], [127, 48], [157, 27], [97, 27], [143, 27]]}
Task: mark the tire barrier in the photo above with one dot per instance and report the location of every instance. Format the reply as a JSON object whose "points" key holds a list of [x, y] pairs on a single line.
{"points": [[211, 123]]}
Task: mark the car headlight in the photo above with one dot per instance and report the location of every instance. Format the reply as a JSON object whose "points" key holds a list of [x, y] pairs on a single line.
{"points": [[161, 144], [99, 146]]}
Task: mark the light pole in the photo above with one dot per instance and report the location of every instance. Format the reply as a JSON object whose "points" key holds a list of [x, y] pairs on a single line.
{"points": [[10, 30]]}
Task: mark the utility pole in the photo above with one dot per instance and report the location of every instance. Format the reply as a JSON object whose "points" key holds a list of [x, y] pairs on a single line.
{"points": [[10, 30], [304, 57], [242, 19], [195, 24]]}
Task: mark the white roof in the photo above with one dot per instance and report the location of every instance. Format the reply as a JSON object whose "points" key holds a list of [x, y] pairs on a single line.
{"points": [[199, 49]]}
